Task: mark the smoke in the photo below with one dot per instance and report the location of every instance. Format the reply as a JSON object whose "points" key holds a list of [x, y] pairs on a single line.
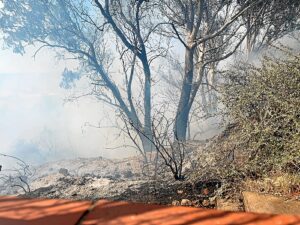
{"points": [[37, 124]]}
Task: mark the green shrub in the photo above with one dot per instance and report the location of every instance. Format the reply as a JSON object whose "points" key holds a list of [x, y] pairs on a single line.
{"points": [[264, 104]]}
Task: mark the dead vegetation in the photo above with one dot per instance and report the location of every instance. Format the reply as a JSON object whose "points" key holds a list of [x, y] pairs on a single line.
{"points": [[259, 149]]}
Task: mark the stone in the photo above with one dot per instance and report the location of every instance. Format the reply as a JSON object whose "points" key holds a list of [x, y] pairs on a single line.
{"points": [[179, 192], [185, 202], [175, 203], [205, 203], [64, 171], [196, 202], [260, 203], [227, 205]]}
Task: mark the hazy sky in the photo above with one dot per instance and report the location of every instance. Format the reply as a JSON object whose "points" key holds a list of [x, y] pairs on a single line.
{"points": [[33, 111], [32, 108]]}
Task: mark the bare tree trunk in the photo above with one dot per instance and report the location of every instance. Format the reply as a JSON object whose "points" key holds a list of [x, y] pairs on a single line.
{"points": [[204, 100], [211, 79], [183, 110], [148, 141]]}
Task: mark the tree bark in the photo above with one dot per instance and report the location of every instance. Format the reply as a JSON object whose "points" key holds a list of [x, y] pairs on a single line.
{"points": [[183, 109], [148, 142]]}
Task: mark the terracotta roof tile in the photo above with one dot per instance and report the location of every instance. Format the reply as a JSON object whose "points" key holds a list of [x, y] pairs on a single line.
{"points": [[18, 211]]}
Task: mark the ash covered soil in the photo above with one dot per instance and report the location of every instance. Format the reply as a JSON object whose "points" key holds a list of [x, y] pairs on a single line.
{"points": [[126, 179]]}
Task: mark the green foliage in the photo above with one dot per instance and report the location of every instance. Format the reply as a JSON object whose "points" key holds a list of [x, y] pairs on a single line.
{"points": [[264, 104]]}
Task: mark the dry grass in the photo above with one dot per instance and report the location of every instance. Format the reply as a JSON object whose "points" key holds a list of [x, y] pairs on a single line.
{"points": [[280, 184]]}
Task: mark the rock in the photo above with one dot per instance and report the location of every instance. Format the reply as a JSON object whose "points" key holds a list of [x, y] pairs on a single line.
{"points": [[260, 203], [175, 203], [228, 205], [185, 202], [64, 171], [196, 203], [179, 192], [205, 203]]}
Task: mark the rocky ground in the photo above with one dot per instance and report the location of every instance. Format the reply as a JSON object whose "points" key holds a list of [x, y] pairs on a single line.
{"points": [[90, 187], [125, 179], [132, 180]]}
